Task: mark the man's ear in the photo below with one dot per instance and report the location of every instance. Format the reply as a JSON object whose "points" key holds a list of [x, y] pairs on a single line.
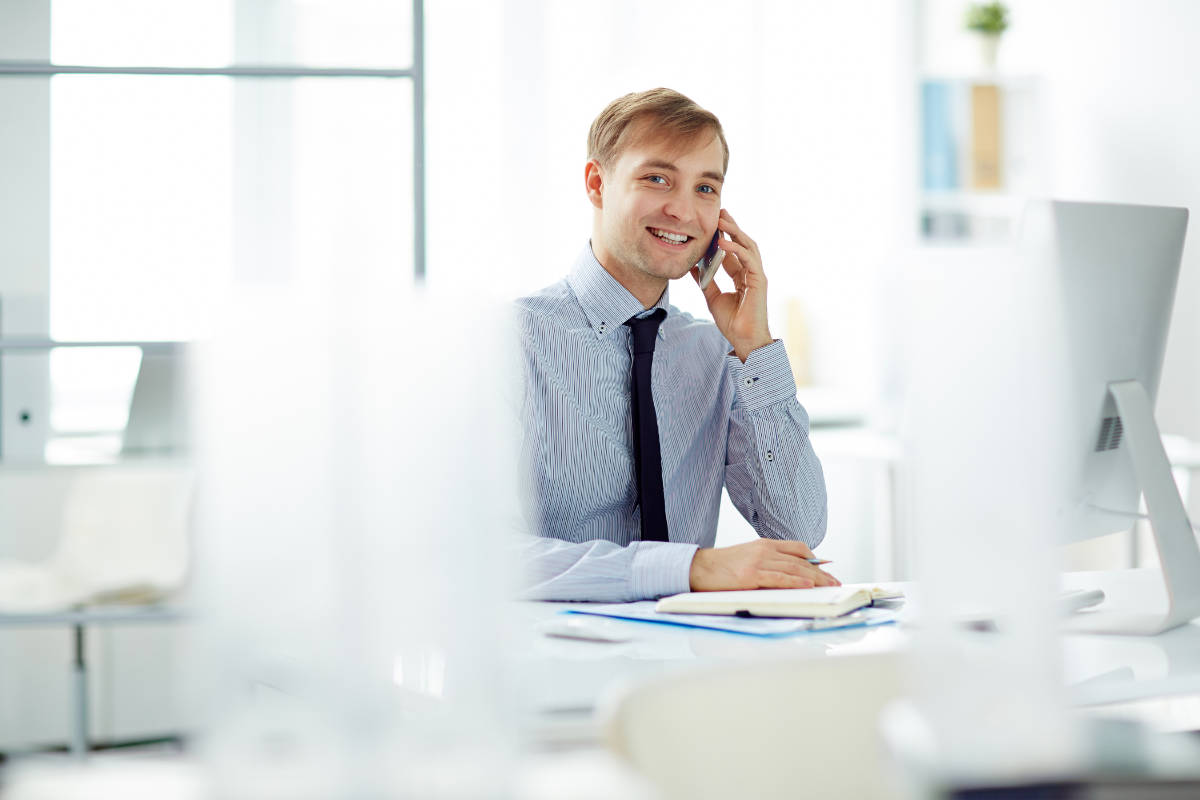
{"points": [[593, 181]]}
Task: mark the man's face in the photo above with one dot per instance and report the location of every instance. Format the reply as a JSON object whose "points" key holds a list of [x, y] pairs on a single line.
{"points": [[659, 207]]}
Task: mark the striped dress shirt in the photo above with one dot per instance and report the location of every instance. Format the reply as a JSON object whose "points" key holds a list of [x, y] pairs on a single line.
{"points": [[721, 423]]}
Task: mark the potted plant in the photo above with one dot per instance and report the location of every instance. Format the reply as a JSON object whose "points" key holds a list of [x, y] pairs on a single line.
{"points": [[989, 20]]}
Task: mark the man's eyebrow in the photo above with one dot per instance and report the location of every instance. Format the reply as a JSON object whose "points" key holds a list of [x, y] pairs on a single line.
{"points": [[667, 165]]}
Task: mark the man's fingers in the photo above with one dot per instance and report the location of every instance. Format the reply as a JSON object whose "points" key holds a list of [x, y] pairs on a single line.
{"points": [[791, 548], [761, 564], [734, 267], [800, 569], [825, 579], [726, 223], [773, 579], [792, 566], [747, 259], [803, 569], [741, 251], [792, 558]]}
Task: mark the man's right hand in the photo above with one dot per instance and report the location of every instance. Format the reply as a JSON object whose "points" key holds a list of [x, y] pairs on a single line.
{"points": [[761, 564]]}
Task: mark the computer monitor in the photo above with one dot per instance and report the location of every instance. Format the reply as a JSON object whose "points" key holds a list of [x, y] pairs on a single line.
{"points": [[1113, 271]]}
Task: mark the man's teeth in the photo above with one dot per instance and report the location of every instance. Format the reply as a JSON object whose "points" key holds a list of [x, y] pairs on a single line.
{"points": [[678, 238]]}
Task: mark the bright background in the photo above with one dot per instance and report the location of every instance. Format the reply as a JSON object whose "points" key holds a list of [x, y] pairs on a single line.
{"points": [[165, 191], [130, 204], [161, 193]]}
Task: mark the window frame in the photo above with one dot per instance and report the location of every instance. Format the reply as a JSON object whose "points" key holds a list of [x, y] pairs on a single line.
{"points": [[415, 73], [24, 359]]}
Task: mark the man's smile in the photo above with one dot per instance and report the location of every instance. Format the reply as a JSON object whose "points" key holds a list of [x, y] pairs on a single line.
{"points": [[670, 238]]}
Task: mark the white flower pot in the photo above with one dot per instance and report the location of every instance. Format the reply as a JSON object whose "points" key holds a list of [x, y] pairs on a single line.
{"points": [[989, 46]]}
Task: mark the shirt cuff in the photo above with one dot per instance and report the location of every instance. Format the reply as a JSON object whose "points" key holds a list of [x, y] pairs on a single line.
{"points": [[661, 569], [765, 379]]}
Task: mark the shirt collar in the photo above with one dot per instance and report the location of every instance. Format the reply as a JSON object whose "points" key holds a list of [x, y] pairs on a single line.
{"points": [[605, 301]]}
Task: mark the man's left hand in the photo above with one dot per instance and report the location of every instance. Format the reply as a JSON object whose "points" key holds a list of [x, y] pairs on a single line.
{"points": [[741, 315]]}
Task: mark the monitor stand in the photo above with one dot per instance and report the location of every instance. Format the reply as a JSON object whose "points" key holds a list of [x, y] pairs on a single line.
{"points": [[1178, 552]]}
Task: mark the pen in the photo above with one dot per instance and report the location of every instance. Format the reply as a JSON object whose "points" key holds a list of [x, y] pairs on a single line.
{"points": [[816, 562]]}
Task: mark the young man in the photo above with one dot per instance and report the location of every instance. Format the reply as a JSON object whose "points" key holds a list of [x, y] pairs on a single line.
{"points": [[636, 415]]}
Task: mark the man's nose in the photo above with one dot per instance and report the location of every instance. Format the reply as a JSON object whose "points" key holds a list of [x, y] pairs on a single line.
{"points": [[680, 207]]}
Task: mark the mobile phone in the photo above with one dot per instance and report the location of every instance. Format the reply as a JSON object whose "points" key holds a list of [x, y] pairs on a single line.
{"points": [[711, 261]]}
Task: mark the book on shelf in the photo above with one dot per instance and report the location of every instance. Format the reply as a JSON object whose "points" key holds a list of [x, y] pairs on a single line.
{"points": [[939, 145], [987, 150]]}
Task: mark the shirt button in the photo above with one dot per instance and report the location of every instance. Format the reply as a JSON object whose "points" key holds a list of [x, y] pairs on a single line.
{"points": [[603, 327], [749, 381], [770, 455]]}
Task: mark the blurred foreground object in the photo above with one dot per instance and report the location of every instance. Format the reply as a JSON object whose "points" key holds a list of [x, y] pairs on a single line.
{"points": [[986, 340], [1016, 356], [773, 729], [358, 464]]}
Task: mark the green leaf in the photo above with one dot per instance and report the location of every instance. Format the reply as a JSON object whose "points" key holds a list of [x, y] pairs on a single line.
{"points": [[990, 18]]}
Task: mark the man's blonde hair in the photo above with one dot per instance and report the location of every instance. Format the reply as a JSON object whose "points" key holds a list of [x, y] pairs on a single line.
{"points": [[672, 115]]}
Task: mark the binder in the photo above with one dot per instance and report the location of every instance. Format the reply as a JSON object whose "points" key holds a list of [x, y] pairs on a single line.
{"points": [[939, 148], [987, 147]]}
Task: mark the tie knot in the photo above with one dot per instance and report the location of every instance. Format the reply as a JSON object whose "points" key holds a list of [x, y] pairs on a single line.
{"points": [[645, 329]]}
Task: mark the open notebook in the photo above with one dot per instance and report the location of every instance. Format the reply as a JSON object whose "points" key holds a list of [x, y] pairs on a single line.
{"points": [[816, 603]]}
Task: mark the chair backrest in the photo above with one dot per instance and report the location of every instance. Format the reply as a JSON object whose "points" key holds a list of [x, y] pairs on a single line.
{"points": [[796, 728], [126, 528]]}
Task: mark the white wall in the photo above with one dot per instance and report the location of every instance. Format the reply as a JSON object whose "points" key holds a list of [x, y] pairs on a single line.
{"points": [[814, 98], [1123, 112]]}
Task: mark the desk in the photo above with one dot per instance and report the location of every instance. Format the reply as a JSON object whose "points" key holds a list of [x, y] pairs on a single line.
{"points": [[78, 621], [565, 681]]}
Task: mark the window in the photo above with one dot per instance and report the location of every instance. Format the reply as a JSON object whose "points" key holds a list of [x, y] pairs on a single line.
{"points": [[186, 147]]}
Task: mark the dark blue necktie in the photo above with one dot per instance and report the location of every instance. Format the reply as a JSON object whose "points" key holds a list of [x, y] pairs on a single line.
{"points": [[647, 458]]}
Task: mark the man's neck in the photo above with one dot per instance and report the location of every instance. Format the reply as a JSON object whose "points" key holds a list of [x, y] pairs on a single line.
{"points": [[646, 288]]}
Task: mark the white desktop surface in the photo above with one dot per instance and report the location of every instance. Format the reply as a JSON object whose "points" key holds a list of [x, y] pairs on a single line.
{"points": [[1114, 669], [565, 681]]}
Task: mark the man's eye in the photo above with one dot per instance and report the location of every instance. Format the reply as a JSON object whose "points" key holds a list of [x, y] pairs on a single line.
{"points": [[707, 189], [656, 178]]}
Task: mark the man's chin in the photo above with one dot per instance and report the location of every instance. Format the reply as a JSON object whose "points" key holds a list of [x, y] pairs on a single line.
{"points": [[673, 270], [685, 268], [672, 273]]}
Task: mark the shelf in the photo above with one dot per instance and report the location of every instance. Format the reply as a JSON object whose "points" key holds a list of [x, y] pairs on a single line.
{"points": [[973, 202], [1005, 81], [974, 137]]}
